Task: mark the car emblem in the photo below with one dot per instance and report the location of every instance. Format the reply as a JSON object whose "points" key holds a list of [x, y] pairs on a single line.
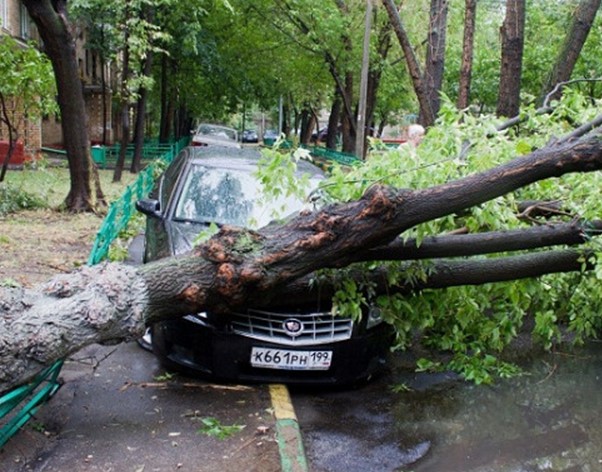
{"points": [[292, 327]]}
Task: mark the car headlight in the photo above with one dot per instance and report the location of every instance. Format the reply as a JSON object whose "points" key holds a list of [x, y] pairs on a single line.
{"points": [[198, 318], [375, 317]]}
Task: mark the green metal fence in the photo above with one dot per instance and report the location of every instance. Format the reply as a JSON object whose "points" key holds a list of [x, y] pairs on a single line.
{"points": [[20, 404], [121, 210], [330, 155]]}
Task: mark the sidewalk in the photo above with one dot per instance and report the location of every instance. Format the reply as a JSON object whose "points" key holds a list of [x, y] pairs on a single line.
{"points": [[118, 411]]}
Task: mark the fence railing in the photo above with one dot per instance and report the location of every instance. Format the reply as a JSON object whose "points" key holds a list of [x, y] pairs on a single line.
{"points": [[120, 211]]}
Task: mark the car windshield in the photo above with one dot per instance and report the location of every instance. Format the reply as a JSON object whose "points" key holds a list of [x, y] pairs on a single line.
{"points": [[227, 196]]}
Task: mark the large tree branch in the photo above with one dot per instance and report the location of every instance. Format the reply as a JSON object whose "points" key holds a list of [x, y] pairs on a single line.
{"points": [[439, 274], [457, 245]]}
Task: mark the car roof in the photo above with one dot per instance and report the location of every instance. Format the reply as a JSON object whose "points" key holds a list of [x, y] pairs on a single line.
{"points": [[243, 158]]}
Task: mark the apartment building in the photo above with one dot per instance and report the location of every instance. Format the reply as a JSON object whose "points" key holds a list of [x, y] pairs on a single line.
{"points": [[15, 21], [36, 134]]}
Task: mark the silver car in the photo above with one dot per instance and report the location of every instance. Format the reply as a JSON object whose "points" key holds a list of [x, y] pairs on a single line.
{"points": [[207, 134]]}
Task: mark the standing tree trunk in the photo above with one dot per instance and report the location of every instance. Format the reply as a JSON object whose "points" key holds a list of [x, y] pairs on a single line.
{"points": [[348, 121], [435, 55], [50, 17], [103, 84], [165, 123], [426, 112], [12, 136], [141, 118], [141, 103], [333, 121], [583, 19], [470, 15], [383, 46], [512, 34], [125, 112]]}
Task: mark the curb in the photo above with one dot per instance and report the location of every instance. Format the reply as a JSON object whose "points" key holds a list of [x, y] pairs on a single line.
{"points": [[288, 434]]}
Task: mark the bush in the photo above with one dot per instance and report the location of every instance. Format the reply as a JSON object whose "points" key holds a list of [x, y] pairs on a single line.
{"points": [[14, 199]]}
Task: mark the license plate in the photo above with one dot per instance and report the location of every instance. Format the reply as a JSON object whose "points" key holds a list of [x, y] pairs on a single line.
{"points": [[290, 360]]}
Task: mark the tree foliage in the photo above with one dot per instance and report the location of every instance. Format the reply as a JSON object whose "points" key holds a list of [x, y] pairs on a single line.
{"points": [[27, 89]]}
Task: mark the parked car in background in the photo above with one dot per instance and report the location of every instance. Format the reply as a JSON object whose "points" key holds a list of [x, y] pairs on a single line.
{"points": [[207, 134], [321, 136], [286, 343], [250, 136], [270, 136]]}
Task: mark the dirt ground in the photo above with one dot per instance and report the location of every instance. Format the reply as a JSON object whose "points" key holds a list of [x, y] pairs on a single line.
{"points": [[37, 244]]}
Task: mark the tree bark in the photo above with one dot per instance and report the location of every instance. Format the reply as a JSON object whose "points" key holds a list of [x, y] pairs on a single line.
{"points": [[141, 118], [237, 267], [427, 114], [50, 17], [125, 110], [13, 135], [512, 33], [435, 56], [470, 15]]}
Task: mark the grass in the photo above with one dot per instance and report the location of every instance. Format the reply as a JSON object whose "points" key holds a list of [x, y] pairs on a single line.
{"points": [[61, 241], [51, 183]]}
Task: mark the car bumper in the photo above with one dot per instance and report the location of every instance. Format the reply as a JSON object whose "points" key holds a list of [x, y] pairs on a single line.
{"points": [[196, 349]]}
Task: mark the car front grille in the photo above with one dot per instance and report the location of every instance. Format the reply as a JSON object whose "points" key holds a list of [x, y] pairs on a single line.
{"points": [[307, 329]]}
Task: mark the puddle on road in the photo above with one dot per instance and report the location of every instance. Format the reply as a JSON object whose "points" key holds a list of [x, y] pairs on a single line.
{"points": [[547, 420]]}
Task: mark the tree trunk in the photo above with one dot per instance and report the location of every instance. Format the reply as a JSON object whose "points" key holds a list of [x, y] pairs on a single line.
{"points": [[50, 17], [308, 124], [333, 121], [165, 121], [383, 46], [583, 20], [12, 137], [110, 303], [141, 118], [470, 15], [426, 112], [512, 34], [125, 112], [348, 120], [103, 84], [149, 16], [435, 56]]}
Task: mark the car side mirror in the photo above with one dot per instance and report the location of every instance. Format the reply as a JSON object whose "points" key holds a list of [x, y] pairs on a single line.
{"points": [[149, 206]]}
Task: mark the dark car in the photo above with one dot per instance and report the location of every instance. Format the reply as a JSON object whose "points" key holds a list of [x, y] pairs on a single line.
{"points": [[321, 136], [250, 136], [287, 343]]}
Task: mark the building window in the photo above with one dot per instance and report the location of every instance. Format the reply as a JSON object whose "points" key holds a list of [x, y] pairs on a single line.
{"points": [[25, 31], [4, 13]]}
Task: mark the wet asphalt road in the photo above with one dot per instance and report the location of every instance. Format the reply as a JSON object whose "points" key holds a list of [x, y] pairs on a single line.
{"points": [[547, 420], [116, 412]]}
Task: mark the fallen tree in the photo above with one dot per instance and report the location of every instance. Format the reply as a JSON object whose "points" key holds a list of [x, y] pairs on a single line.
{"points": [[111, 302]]}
